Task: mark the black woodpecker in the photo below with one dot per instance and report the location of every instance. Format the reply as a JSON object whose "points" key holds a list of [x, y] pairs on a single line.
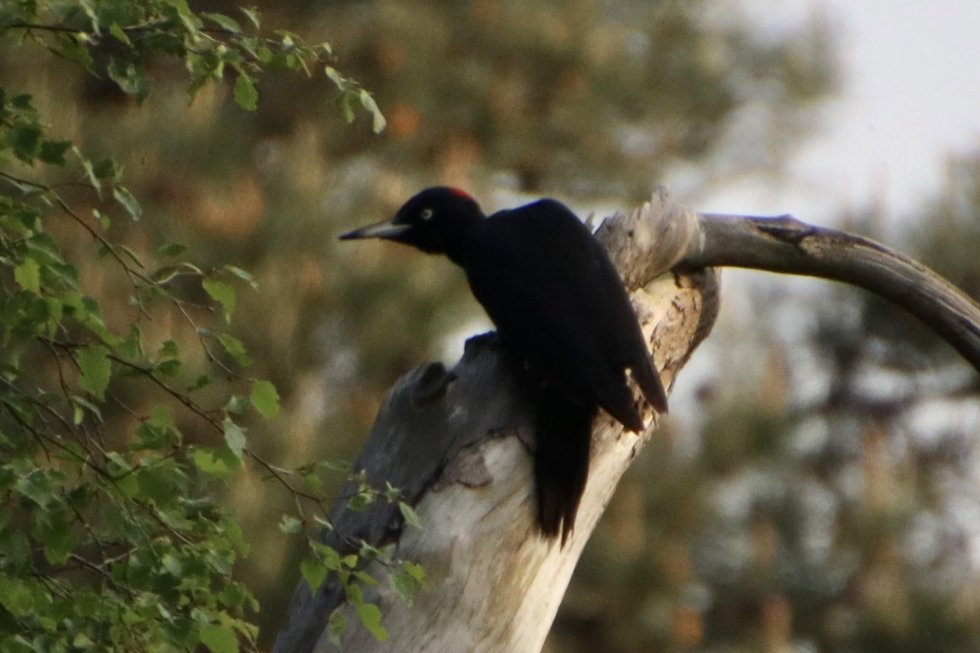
{"points": [[560, 307]]}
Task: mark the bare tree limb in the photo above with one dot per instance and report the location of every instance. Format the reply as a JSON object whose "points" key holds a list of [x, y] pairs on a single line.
{"points": [[787, 245]]}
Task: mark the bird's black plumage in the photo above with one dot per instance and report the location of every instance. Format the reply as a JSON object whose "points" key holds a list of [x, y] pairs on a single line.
{"points": [[560, 306]]}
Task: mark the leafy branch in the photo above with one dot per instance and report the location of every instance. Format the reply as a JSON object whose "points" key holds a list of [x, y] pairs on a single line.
{"points": [[110, 535], [209, 43]]}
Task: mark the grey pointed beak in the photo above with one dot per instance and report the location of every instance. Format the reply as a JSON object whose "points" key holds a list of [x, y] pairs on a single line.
{"points": [[386, 229]]}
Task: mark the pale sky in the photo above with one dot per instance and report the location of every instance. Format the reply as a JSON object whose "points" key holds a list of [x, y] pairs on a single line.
{"points": [[910, 98]]}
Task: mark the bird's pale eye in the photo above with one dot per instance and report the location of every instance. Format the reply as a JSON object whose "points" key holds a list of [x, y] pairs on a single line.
{"points": [[426, 214]]}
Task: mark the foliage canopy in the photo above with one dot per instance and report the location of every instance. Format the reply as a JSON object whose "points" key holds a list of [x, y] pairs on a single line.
{"points": [[113, 438]]}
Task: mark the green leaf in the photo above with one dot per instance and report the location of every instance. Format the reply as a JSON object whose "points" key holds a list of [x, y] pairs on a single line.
{"points": [[39, 488], [334, 76], [202, 382], [290, 524], [216, 461], [233, 531], [346, 104], [80, 405], [313, 480], [415, 570], [336, 626], [25, 140], [157, 431], [28, 276], [246, 95], [370, 616], [128, 202], [121, 464], [314, 572], [350, 561], [54, 151], [17, 597], [406, 582], [378, 121], [222, 293], [82, 641], [226, 23], [118, 33], [172, 249], [130, 77], [169, 349], [93, 171], [170, 364], [169, 368], [361, 501], [411, 517], [362, 577], [219, 638], [106, 169], [161, 417], [132, 346], [328, 555], [234, 437], [72, 46], [253, 15], [265, 54], [237, 405], [93, 361], [104, 221], [265, 399], [244, 275], [235, 348], [55, 530]]}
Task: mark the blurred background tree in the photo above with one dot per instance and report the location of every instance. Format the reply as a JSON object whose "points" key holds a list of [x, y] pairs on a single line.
{"points": [[795, 505]]}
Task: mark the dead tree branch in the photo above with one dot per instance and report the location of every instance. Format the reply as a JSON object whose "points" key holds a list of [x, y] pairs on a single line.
{"points": [[786, 245]]}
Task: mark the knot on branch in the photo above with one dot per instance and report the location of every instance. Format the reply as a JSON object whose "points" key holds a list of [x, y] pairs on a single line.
{"points": [[650, 239]]}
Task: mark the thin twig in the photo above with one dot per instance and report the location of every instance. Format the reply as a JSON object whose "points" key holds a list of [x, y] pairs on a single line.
{"points": [[131, 272], [204, 345]]}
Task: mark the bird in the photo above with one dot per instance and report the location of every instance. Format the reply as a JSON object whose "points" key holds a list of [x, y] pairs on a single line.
{"points": [[560, 307]]}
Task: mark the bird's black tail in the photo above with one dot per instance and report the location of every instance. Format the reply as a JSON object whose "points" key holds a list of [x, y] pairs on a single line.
{"points": [[563, 430]]}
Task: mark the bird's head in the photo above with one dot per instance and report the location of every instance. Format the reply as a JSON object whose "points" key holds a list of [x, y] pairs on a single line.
{"points": [[436, 220]]}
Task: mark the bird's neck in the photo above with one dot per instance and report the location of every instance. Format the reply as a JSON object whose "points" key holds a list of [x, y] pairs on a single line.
{"points": [[460, 244], [457, 255]]}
